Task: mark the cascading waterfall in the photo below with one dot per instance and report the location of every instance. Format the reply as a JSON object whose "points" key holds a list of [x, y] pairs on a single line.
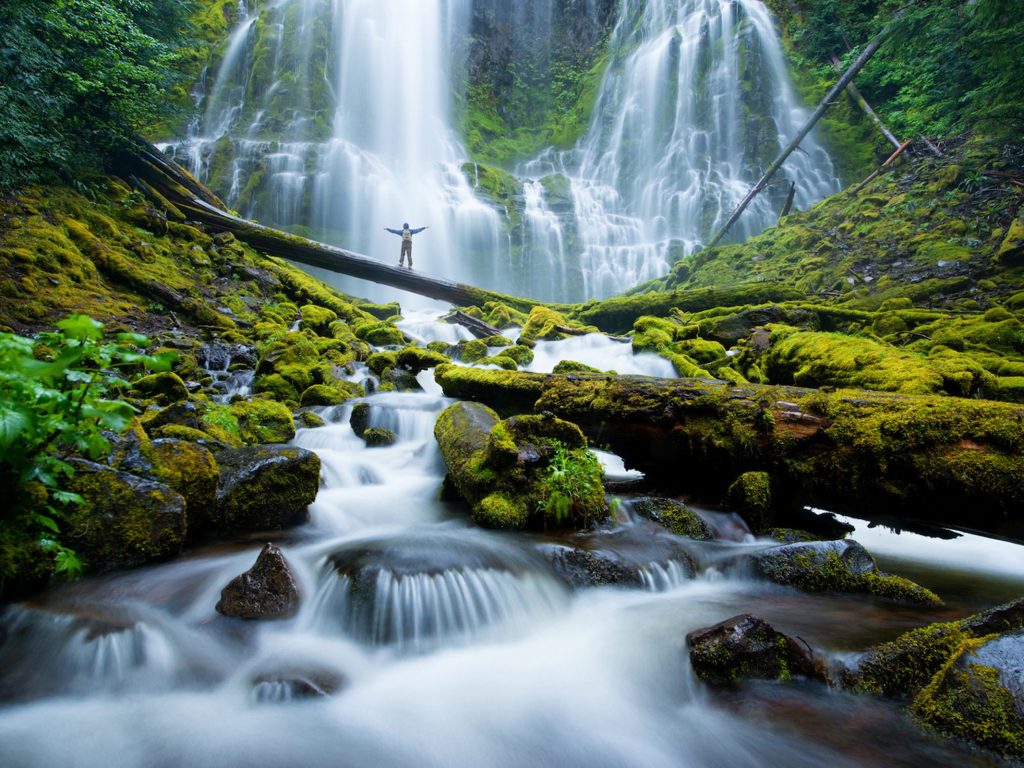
{"points": [[698, 105], [335, 119]]}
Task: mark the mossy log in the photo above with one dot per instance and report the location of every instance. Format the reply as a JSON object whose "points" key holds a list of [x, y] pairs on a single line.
{"points": [[150, 170], [937, 458]]}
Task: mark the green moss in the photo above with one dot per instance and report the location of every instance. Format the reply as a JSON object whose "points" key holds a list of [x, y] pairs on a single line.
{"points": [[323, 394], [377, 437], [497, 510], [311, 420], [571, 366], [317, 319], [164, 388], [967, 700], [751, 496], [379, 334], [417, 359], [263, 421]]}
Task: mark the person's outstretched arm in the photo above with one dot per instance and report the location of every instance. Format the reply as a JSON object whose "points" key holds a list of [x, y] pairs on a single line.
{"points": [[393, 231], [419, 229]]}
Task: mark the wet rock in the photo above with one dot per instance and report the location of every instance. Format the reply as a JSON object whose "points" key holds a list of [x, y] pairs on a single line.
{"points": [[590, 568], [525, 471], [360, 418], [401, 379], [265, 591], [626, 556], [164, 388], [980, 696], [675, 516], [836, 566], [125, 521], [751, 496], [746, 647], [902, 667], [289, 685], [311, 420], [266, 487], [377, 437]]}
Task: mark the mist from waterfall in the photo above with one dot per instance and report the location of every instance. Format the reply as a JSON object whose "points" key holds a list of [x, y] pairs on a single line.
{"points": [[336, 119]]}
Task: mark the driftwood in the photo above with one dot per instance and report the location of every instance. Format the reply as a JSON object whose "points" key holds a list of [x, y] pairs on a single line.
{"points": [[150, 170], [826, 102], [478, 328], [889, 161], [935, 150], [856, 95]]}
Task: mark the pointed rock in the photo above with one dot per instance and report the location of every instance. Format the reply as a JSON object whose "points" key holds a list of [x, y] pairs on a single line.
{"points": [[265, 591]]}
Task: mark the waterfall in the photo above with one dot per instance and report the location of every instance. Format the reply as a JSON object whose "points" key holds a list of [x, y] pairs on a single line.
{"points": [[336, 119], [695, 104]]}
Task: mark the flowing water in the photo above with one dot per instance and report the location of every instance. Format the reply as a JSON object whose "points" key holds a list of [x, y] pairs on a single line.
{"points": [[423, 641], [337, 120]]}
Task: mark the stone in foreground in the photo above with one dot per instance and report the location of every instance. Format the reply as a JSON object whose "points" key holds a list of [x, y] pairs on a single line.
{"points": [[266, 591]]}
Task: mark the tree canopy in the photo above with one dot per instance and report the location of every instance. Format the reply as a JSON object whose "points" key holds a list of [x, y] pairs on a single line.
{"points": [[79, 78]]}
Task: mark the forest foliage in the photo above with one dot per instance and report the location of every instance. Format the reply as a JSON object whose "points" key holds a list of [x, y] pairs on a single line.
{"points": [[79, 79], [949, 67]]}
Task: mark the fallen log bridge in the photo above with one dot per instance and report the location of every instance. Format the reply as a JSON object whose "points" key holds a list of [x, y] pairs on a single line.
{"points": [[167, 182], [875, 454]]}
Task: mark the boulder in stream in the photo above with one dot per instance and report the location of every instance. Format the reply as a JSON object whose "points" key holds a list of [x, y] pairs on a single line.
{"points": [[746, 647], [964, 678], [638, 555], [264, 487], [125, 521], [265, 591], [675, 516], [526, 471], [836, 566]]}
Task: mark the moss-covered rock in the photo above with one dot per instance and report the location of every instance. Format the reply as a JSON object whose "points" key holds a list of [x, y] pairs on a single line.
{"points": [[263, 421], [359, 419], [311, 420], [836, 566], [529, 470], [163, 388], [746, 647], [124, 521], [186, 467], [377, 437], [675, 516], [751, 496], [977, 695], [417, 359], [321, 394], [262, 488]]}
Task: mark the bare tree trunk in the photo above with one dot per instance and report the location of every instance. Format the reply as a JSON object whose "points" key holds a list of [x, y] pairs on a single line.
{"points": [[863, 104], [826, 102], [889, 161], [789, 199]]}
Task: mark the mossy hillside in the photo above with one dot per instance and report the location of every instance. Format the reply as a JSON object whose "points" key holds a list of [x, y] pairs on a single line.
{"points": [[532, 88], [137, 265], [931, 226]]}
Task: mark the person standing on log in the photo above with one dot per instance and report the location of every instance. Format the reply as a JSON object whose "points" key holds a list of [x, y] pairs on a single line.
{"points": [[406, 235]]}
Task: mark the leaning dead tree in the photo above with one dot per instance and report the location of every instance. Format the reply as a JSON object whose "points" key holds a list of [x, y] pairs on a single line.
{"points": [[858, 97], [826, 102]]}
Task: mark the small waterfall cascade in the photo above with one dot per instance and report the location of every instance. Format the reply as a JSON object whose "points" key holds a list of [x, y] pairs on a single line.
{"points": [[335, 120], [422, 640], [696, 103]]}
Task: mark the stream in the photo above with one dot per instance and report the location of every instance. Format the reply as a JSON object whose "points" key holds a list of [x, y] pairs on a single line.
{"points": [[442, 644]]}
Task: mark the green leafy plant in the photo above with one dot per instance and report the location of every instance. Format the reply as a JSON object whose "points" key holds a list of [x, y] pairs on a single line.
{"points": [[571, 484], [54, 405]]}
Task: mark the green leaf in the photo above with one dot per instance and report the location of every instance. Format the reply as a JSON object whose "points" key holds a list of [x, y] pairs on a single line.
{"points": [[137, 339], [67, 497], [81, 327], [13, 422], [46, 522]]}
